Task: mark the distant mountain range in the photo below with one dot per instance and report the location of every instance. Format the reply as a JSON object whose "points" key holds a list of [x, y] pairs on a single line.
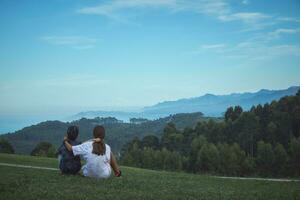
{"points": [[210, 105]]}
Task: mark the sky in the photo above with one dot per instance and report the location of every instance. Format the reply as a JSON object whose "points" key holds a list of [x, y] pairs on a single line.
{"points": [[64, 56]]}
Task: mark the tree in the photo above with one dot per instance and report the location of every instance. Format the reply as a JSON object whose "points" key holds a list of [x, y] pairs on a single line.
{"points": [[280, 160], [208, 158], [271, 133], [136, 155], [128, 160], [196, 145], [265, 158], [148, 158], [228, 160], [295, 155], [150, 141], [228, 113], [6, 147], [45, 149], [246, 128], [233, 113], [173, 161], [172, 139]]}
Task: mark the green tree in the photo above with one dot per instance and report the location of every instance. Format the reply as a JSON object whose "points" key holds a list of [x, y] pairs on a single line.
{"points": [[265, 158], [148, 158], [6, 147], [245, 164], [172, 139], [271, 132], [295, 155], [280, 160], [233, 113], [128, 160], [208, 158], [229, 162], [150, 141], [136, 155], [196, 145], [247, 167], [246, 129], [45, 149]]}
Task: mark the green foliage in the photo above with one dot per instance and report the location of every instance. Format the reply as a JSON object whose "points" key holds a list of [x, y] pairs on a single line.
{"points": [[295, 155], [262, 141], [265, 158], [117, 132], [5, 147], [208, 158], [229, 160], [44, 149], [233, 113], [150, 141], [280, 160], [196, 145]]}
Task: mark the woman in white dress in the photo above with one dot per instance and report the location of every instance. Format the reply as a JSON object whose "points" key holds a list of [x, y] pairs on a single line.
{"points": [[98, 156]]}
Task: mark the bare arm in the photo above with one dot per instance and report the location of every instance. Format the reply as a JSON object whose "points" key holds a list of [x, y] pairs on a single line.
{"points": [[114, 165], [67, 144]]}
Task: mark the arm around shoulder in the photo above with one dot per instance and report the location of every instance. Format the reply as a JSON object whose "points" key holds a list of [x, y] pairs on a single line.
{"points": [[68, 145]]}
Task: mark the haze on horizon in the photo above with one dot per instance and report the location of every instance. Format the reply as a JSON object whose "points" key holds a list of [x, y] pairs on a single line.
{"points": [[66, 56]]}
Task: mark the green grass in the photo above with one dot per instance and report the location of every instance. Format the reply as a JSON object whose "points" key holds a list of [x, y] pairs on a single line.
{"points": [[21, 183]]}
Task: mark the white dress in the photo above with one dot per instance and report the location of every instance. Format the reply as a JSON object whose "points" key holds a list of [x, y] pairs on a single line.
{"points": [[96, 166]]}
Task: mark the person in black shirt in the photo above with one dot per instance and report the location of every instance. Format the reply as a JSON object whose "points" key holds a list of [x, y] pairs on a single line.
{"points": [[68, 163]]}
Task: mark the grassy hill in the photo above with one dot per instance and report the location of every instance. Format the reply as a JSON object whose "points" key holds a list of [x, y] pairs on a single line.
{"points": [[117, 133], [22, 183]]}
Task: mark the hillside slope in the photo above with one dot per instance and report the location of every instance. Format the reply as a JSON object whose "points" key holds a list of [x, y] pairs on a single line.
{"points": [[118, 133], [20, 183]]}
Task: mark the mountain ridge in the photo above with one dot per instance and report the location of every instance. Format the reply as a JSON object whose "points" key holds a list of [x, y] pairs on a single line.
{"points": [[210, 105]]}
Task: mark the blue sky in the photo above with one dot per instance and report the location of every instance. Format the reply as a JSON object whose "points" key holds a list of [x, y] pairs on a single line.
{"points": [[74, 55]]}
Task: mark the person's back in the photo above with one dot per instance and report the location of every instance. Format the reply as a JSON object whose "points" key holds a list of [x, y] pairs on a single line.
{"points": [[68, 163], [99, 159], [97, 166]]}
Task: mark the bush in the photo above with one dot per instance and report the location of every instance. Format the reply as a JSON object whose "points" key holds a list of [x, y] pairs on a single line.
{"points": [[45, 149], [6, 147]]}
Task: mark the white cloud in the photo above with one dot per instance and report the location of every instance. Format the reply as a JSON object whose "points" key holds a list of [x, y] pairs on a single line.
{"points": [[213, 46], [114, 7], [251, 51], [277, 33], [246, 17], [77, 42], [288, 19], [219, 9]]}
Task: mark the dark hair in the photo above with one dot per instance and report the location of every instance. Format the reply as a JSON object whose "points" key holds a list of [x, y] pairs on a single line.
{"points": [[72, 132], [99, 147]]}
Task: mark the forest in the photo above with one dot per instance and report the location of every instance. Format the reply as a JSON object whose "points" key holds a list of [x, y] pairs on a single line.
{"points": [[118, 133], [264, 141]]}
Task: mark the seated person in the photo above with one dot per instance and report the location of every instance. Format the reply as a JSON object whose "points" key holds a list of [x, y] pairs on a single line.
{"points": [[100, 161], [68, 163]]}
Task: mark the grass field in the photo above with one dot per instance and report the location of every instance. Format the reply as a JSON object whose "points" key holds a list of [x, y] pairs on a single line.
{"points": [[23, 183]]}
